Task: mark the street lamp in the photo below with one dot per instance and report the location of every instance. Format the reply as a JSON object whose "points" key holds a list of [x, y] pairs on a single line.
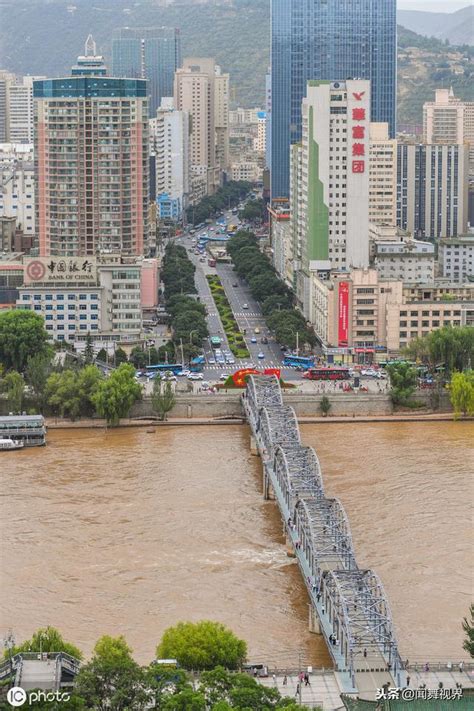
{"points": [[9, 643]]}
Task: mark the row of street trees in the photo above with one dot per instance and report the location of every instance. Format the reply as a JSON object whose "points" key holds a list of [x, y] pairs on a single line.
{"points": [[282, 317], [113, 680], [226, 197], [451, 348], [188, 315]]}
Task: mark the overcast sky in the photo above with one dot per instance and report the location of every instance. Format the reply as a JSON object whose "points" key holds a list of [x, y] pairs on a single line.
{"points": [[433, 5]]}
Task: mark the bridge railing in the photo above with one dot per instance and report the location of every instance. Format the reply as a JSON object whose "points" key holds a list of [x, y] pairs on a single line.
{"points": [[351, 603]]}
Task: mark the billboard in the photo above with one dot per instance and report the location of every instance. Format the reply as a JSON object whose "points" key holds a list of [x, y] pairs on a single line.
{"points": [[54, 270], [343, 314]]}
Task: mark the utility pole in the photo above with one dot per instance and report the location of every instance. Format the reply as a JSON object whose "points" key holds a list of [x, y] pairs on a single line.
{"points": [[297, 343], [182, 351], [300, 683]]}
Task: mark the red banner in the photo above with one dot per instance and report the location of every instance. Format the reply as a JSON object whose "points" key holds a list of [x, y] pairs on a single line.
{"points": [[343, 320]]}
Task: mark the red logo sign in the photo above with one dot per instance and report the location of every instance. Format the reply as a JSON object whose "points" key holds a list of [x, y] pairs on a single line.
{"points": [[358, 114], [35, 270], [343, 322], [358, 95], [358, 166]]}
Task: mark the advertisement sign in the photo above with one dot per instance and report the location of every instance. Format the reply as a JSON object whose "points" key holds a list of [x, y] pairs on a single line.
{"points": [[239, 377], [343, 314], [49, 270]]}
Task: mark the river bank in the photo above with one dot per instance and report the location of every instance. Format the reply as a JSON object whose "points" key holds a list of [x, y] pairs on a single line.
{"points": [[54, 423]]}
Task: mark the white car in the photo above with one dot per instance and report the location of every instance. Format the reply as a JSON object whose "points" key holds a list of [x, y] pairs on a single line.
{"points": [[261, 355], [230, 360], [184, 373], [245, 306], [195, 376], [211, 361], [223, 376]]}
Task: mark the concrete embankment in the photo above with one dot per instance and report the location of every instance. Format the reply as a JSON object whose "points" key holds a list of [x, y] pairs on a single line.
{"points": [[225, 409]]}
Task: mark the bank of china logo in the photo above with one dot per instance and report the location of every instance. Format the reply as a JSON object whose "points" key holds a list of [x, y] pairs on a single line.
{"points": [[16, 696], [36, 270]]}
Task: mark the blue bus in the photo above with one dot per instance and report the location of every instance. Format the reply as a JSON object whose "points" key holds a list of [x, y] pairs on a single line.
{"points": [[162, 368], [293, 361], [197, 364]]}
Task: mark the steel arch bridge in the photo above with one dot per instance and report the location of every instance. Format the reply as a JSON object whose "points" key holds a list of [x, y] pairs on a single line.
{"points": [[350, 603], [298, 473]]}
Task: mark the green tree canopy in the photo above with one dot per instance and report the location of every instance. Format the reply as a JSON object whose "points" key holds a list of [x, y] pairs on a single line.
{"points": [[71, 393], [120, 356], [202, 645], [461, 391], [468, 627], [116, 394], [89, 350], [403, 379], [47, 639], [14, 386], [163, 399], [112, 679], [451, 347], [38, 370], [22, 335]]}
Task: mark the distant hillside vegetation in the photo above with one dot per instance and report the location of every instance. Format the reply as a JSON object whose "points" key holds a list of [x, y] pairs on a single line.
{"points": [[45, 36], [457, 27]]}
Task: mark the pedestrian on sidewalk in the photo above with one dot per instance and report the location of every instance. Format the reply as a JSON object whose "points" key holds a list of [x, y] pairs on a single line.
{"points": [[285, 680], [297, 690], [408, 681], [306, 680]]}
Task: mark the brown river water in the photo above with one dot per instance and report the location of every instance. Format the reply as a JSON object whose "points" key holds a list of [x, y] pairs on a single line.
{"points": [[127, 532]]}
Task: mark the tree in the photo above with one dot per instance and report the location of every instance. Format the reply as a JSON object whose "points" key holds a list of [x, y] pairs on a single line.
{"points": [[138, 357], [47, 639], [116, 394], [71, 393], [468, 627], [120, 356], [102, 355], [22, 335], [461, 391], [202, 645], [112, 679], [14, 386], [403, 379], [325, 406], [38, 370], [163, 399], [89, 350]]}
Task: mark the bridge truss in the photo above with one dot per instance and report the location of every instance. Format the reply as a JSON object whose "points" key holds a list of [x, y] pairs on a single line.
{"points": [[350, 602]]}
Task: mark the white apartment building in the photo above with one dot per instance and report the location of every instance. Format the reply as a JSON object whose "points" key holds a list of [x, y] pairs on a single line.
{"points": [[169, 143], [332, 181], [17, 185], [382, 175], [202, 91], [260, 142], [456, 258], [449, 120], [242, 116], [17, 108], [405, 260]]}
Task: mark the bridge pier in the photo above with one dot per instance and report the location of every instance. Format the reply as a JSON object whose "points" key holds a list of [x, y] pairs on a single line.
{"points": [[290, 551], [253, 446], [313, 620]]}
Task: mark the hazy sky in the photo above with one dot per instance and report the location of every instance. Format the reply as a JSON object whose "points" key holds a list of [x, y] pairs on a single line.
{"points": [[433, 5]]}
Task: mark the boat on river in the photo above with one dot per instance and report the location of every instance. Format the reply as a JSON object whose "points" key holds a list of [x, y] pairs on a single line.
{"points": [[7, 444]]}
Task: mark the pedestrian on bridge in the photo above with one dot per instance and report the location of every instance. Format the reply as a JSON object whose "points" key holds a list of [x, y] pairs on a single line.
{"points": [[408, 681], [365, 654], [306, 680]]}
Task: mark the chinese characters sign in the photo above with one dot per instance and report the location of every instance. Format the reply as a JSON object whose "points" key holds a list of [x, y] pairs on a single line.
{"points": [[343, 314], [359, 133], [49, 270]]}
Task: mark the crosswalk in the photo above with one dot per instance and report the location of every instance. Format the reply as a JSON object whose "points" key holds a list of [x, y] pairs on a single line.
{"points": [[227, 368], [252, 314]]}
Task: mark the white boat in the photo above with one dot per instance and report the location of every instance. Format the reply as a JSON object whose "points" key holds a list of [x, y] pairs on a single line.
{"points": [[7, 444]]}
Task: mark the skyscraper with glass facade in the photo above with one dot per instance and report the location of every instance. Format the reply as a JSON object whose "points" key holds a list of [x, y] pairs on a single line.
{"points": [[330, 40], [149, 53]]}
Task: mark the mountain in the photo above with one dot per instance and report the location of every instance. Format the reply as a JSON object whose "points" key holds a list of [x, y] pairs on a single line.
{"points": [[456, 27], [45, 37]]}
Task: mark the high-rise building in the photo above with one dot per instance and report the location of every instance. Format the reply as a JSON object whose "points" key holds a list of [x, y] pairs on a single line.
{"points": [[17, 187], [432, 189], [91, 165], [382, 176], [16, 108], [152, 53], [449, 120], [90, 63], [317, 39], [202, 90], [331, 180], [169, 143]]}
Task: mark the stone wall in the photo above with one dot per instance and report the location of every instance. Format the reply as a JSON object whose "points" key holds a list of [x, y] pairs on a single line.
{"points": [[304, 404]]}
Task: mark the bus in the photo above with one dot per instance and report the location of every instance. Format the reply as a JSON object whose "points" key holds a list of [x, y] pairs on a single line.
{"points": [[323, 373], [174, 368], [197, 364], [215, 342], [293, 361]]}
